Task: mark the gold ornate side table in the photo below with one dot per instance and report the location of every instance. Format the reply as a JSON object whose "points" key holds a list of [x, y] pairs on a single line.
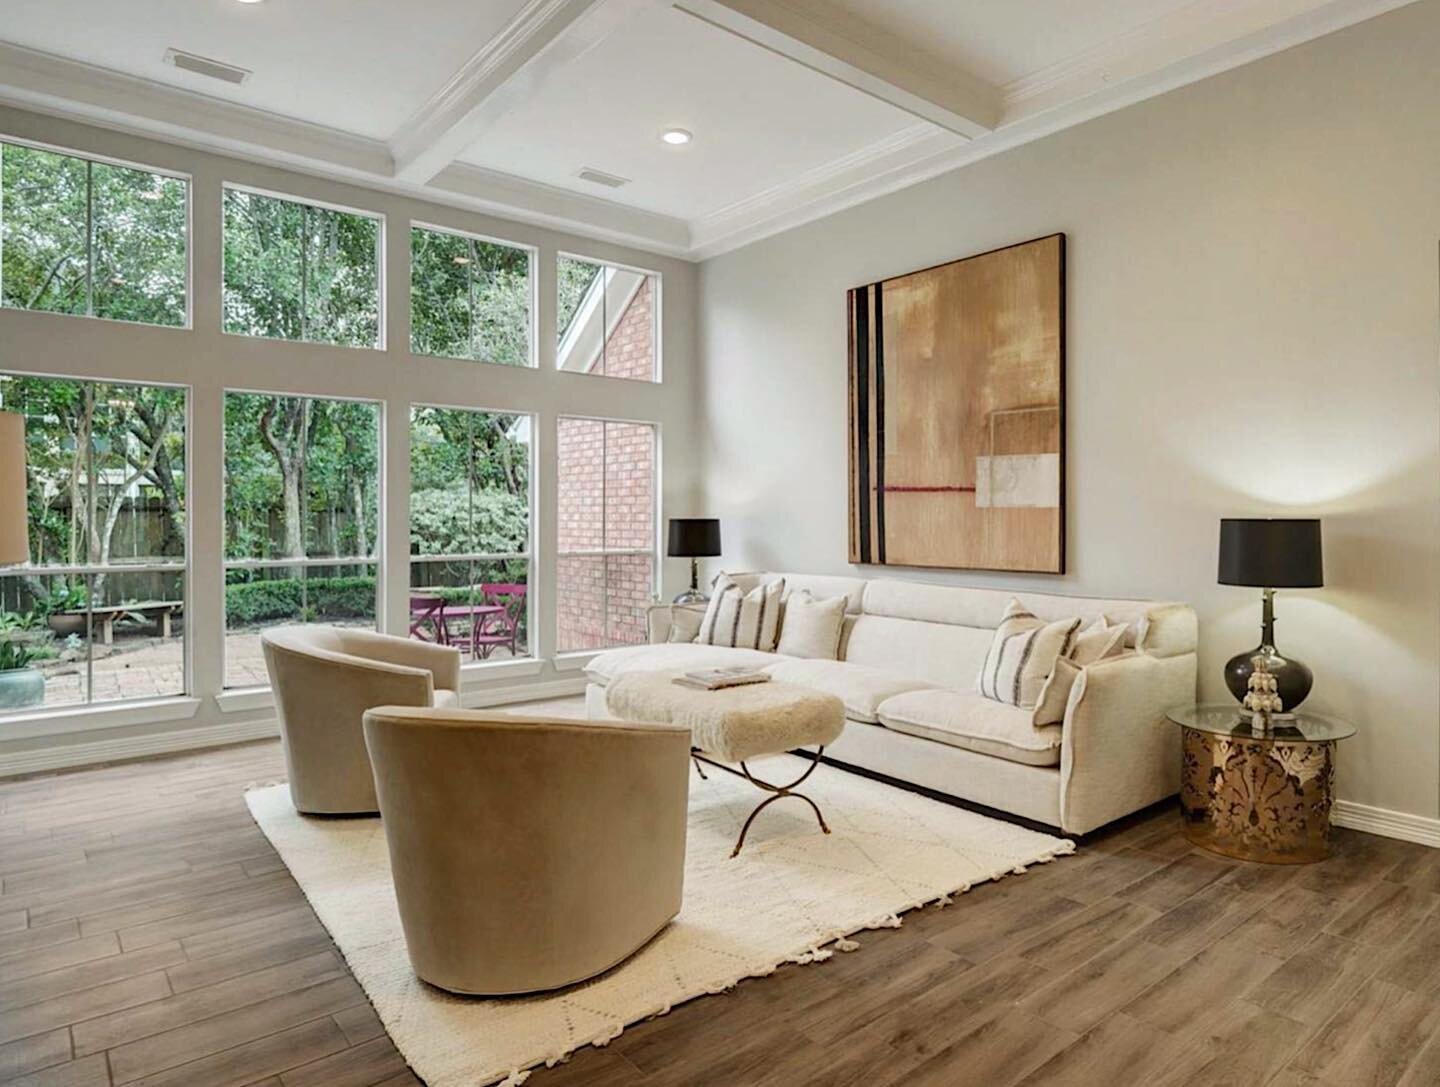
{"points": [[1257, 795]]}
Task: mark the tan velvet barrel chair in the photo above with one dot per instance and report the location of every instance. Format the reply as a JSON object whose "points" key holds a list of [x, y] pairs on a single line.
{"points": [[528, 853], [324, 679]]}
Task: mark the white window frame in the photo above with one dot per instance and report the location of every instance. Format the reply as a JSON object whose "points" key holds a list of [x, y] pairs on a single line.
{"points": [[653, 551], [377, 559], [381, 254], [82, 712], [532, 277], [85, 156], [531, 508], [656, 323]]}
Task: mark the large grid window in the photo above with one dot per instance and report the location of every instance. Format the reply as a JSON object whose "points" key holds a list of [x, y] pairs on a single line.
{"points": [[296, 271], [470, 502], [98, 613], [470, 298], [301, 518], [606, 532], [606, 319], [92, 239]]}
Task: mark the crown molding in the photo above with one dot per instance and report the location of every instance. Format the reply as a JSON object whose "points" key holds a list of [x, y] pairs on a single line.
{"points": [[44, 83], [1227, 32], [817, 192], [1204, 38], [1032, 111], [542, 38]]}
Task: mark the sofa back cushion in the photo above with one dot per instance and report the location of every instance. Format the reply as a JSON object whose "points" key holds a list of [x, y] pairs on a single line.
{"points": [[949, 656]]}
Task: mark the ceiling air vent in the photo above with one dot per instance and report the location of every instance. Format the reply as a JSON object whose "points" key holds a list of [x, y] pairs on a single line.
{"points": [[215, 69], [600, 177]]}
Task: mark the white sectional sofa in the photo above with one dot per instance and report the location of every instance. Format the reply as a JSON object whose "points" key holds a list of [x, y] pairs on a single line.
{"points": [[909, 658]]}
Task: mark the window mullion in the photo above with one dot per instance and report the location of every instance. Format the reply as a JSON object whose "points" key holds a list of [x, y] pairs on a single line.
{"points": [[89, 239]]}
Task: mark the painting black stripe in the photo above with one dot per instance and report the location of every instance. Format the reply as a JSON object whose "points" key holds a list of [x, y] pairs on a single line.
{"points": [[862, 415], [880, 423]]}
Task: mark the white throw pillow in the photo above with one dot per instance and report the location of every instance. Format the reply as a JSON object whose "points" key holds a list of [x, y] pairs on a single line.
{"points": [[1022, 655], [812, 628], [1050, 710], [1098, 641], [740, 619]]}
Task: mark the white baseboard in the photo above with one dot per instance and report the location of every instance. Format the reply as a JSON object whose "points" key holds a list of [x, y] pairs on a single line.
{"points": [[133, 747], [1387, 823], [479, 698]]}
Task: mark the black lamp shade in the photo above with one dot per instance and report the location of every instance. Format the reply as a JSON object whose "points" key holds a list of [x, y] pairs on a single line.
{"points": [[1271, 553], [694, 537]]}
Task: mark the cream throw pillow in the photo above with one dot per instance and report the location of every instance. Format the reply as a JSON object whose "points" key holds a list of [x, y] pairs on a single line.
{"points": [[812, 628], [740, 619], [1096, 642], [1022, 655]]}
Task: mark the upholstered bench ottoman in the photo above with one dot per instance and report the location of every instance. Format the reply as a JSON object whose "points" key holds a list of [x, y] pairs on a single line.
{"points": [[736, 724]]}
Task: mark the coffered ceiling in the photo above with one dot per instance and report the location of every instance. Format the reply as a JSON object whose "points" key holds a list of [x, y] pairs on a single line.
{"points": [[797, 107]]}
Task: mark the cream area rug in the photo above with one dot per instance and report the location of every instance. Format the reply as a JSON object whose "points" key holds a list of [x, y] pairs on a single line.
{"points": [[791, 896]]}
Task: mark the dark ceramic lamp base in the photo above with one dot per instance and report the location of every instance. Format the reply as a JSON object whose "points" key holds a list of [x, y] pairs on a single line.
{"points": [[1293, 680]]}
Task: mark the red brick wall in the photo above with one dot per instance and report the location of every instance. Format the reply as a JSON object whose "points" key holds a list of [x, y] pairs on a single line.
{"points": [[630, 351], [607, 500]]}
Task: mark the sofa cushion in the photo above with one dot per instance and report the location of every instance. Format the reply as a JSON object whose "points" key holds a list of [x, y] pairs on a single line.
{"points": [[812, 627], [1022, 656], [975, 723], [446, 699], [740, 618], [862, 689], [671, 657]]}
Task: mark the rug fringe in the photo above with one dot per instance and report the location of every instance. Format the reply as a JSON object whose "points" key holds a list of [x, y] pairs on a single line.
{"points": [[515, 1078], [844, 944]]}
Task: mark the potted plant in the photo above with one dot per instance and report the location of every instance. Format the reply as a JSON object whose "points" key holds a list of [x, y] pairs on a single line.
{"points": [[65, 609], [20, 685]]}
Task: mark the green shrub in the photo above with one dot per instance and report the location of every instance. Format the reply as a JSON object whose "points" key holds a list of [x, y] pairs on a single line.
{"points": [[318, 598]]}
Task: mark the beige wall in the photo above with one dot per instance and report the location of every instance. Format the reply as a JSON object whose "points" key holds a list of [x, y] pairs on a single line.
{"points": [[209, 362], [1252, 300]]}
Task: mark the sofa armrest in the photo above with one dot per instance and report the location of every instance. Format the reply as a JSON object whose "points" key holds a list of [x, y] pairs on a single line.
{"points": [[662, 618], [1118, 751]]}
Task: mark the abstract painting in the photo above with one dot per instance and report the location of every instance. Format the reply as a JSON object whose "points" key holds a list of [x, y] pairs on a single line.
{"points": [[957, 414]]}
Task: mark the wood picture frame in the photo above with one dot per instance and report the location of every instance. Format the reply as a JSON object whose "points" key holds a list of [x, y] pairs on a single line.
{"points": [[957, 413]]}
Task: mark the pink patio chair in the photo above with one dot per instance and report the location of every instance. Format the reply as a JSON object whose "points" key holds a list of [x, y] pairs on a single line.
{"points": [[428, 610], [500, 627]]}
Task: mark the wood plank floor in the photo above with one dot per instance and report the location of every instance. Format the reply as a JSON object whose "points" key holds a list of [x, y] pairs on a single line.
{"points": [[150, 936]]}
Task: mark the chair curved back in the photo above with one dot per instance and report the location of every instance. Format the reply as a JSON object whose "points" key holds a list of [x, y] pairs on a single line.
{"points": [[528, 854], [324, 679]]}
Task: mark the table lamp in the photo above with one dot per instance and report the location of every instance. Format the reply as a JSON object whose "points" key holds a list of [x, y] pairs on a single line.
{"points": [[1270, 554], [14, 530], [693, 538]]}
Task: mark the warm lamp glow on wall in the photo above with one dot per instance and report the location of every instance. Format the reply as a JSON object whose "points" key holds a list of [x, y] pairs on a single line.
{"points": [[14, 530]]}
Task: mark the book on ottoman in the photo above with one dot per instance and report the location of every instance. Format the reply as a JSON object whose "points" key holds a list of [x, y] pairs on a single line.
{"points": [[714, 679]]}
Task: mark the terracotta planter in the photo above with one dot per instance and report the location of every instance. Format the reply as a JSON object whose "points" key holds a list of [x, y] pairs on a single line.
{"points": [[20, 688], [65, 623]]}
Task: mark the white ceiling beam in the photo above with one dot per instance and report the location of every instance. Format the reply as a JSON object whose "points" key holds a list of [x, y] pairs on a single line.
{"points": [[543, 38], [861, 56]]}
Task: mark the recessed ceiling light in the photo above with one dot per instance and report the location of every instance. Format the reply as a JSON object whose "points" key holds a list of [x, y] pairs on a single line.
{"points": [[249, 1], [676, 136]]}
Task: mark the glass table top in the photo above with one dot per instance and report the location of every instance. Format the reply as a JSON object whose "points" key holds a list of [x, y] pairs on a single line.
{"points": [[1234, 720]]}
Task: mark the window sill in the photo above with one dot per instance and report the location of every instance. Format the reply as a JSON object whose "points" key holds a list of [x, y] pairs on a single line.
{"points": [[245, 698], [576, 661], [91, 718], [479, 673]]}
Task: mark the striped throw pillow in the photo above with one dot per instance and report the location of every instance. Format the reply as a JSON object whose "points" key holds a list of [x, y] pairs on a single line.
{"points": [[740, 619], [1022, 655]]}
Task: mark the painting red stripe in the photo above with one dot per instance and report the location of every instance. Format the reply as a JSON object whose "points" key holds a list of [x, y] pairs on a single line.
{"points": [[924, 490]]}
